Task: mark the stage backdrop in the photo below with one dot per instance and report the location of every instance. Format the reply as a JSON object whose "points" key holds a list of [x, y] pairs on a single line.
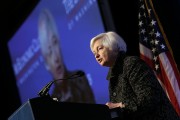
{"points": [[77, 22]]}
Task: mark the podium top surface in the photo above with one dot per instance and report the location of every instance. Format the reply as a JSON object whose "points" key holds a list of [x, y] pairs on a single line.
{"points": [[44, 108]]}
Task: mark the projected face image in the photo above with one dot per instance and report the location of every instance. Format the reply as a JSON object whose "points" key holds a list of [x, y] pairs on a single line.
{"points": [[50, 47], [73, 89], [55, 37]]}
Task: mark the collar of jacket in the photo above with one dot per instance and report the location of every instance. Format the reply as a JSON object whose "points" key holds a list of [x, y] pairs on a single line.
{"points": [[117, 67]]}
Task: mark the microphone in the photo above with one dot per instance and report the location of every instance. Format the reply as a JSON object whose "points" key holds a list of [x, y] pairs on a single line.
{"points": [[44, 91]]}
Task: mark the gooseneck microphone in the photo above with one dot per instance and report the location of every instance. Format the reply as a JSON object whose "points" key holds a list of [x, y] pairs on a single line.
{"points": [[45, 90]]}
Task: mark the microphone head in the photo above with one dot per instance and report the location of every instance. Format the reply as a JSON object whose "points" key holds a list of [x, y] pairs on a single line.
{"points": [[80, 73]]}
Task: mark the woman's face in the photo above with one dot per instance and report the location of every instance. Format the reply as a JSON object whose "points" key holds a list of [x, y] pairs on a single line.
{"points": [[51, 52], [104, 55], [54, 58]]}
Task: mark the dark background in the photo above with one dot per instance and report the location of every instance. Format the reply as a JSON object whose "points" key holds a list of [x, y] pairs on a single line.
{"points": [[125, 18]]}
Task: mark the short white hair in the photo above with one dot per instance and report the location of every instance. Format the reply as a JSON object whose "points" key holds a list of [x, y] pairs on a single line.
{"points": [[110, 39]]}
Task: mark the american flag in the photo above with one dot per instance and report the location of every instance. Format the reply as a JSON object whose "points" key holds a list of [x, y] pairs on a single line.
{"points": [[156, 51]]}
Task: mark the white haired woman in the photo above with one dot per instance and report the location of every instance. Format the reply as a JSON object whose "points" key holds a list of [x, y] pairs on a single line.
{"points": [[133, 86]]}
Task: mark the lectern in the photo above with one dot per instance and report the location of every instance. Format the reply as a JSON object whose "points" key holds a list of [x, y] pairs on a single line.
{"points": [[45, 108]]}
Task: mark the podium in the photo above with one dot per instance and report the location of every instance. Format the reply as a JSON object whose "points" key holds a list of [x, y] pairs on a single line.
{"points": [[45, 108]]}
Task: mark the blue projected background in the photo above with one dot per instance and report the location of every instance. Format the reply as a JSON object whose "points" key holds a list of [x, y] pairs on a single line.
{"points": [[77, 23]]}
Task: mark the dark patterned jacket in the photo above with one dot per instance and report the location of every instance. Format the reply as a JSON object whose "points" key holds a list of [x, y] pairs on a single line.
{"points": [[132, 82]]}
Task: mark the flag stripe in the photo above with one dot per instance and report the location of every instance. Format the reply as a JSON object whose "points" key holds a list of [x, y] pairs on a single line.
{"points": [[146, 55], [170, 69], [170, 84]]}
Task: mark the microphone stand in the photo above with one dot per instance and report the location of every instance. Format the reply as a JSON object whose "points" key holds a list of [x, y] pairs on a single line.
{"points": [[44, 92]]}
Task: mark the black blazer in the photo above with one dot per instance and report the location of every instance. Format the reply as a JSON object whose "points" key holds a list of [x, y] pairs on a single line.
{"points": [[132, 82]]}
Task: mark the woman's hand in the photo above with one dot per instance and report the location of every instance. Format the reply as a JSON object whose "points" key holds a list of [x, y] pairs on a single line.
{"points": [[115, 105]]}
